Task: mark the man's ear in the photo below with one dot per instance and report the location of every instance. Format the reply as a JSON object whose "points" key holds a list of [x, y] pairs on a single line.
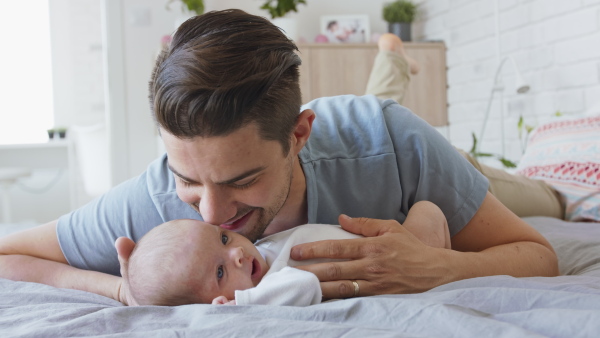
{"points": [[124, 248], [302, 129]]}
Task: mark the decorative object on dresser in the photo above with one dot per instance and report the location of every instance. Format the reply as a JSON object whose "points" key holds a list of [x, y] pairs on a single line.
{"points": [[399, 15], [345, 28]]}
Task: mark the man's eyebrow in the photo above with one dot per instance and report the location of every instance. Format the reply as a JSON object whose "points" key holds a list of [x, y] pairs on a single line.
{"points": [[242, 176], [226, 182], [180, 175]]}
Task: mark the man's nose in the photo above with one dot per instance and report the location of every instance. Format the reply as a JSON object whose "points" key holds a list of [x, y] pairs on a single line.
{"points": [[216, 206]]}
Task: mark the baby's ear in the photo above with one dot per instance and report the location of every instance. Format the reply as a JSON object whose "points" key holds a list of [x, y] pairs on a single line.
{"points": [[124, 248]]}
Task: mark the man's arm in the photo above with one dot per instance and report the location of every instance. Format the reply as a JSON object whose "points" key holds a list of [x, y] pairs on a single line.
{"points": [[392, 260], [34, 255]]}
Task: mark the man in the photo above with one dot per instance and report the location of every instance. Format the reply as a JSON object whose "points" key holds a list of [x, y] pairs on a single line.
{"points": [[225, 96]]}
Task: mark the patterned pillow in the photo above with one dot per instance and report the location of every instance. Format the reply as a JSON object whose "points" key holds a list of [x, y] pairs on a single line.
{"points": [[566, 154]]}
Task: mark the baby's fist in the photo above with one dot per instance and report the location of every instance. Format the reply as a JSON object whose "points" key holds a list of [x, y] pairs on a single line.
{"points": [[222, 300]]}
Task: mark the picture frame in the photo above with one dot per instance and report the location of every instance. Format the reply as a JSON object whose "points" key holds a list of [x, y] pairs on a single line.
{"points": [[346, 28]]}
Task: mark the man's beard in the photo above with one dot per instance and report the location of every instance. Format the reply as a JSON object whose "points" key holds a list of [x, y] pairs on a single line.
{"points": [[266, 216]]}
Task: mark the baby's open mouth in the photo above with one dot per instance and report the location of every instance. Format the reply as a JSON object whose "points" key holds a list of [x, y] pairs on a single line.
{"points": [[255, 268]]}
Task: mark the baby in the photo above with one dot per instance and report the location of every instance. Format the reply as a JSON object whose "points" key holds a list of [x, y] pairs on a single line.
{"points": [[189, 261]]}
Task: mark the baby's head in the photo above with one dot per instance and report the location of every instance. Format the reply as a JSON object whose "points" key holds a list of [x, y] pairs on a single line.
{"points": [[189, 261]]}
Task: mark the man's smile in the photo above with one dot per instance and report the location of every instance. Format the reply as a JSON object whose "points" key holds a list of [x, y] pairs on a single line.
{"points": [[238, 223]]}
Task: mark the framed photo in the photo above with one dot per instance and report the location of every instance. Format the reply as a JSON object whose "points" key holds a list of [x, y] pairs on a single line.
{"points": [[346, 28]]}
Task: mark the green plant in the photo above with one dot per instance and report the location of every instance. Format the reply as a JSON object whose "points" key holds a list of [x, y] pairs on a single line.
{"points": [[400, 11], [279, 8], [196, 6], [61, 131], [525, 129], [476, 154]]}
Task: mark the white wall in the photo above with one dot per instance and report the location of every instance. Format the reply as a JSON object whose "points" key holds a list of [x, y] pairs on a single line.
{"points": [[76, 40], [555, 43], [144, 23]]}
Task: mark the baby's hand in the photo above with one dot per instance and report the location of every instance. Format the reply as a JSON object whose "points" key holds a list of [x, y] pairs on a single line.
{"points": [[222, 300]]}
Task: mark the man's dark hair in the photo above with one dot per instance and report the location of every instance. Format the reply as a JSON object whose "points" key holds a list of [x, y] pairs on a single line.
{"points": [[224, 70]]}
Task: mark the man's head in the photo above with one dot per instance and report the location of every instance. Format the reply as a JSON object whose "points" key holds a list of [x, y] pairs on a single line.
{"points": [[224, 70], [188, 262], [227, 101]]}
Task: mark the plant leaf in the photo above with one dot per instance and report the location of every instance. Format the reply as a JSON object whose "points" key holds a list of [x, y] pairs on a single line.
{"points": [[474, 147], [507, 163], [483, 155]]}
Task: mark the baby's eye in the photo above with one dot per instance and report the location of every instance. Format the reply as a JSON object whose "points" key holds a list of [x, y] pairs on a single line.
{"points": [[220, 272], [224, 238]]}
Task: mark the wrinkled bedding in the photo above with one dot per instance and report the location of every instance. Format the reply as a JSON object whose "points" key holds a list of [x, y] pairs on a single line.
{"points": [[498, 306]]}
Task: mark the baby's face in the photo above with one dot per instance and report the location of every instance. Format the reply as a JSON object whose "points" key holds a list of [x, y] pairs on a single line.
{"points": [[221, 262]]}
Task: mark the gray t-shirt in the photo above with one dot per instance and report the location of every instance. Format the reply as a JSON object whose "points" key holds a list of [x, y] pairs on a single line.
{"points": [[364, 158]]}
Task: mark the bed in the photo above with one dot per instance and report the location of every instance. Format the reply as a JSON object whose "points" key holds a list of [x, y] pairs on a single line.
{"points": [[564, 153], [564, 306]]}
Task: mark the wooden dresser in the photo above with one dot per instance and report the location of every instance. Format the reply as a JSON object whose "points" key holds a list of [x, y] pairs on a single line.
{"points": [[337, 69]]}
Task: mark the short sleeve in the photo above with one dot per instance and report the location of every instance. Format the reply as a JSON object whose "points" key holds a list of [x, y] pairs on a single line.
{"points": [[372, 158], [431, 169]]}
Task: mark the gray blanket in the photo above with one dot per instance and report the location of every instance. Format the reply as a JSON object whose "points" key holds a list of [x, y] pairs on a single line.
{"points": [[565, 306]]}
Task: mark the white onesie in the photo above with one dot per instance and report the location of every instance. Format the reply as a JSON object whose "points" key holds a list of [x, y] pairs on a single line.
{"points": [[283, 284]]}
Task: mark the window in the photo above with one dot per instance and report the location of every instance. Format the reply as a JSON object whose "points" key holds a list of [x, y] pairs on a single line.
{"points": [[26, 104]]}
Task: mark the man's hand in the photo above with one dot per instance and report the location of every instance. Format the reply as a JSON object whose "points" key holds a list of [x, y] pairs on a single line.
{"points": [[392, 260], [389, 260]]}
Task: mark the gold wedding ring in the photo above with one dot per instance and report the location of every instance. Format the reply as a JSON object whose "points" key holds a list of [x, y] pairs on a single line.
{"points": [[356, 288]]}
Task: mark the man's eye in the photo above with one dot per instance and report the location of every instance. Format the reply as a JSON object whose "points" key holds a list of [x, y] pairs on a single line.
{"points": [[220, 272], [185, 183], [245, 185], [224, 238]]}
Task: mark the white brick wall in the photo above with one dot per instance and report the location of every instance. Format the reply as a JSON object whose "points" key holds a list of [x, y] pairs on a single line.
{"points": [[555, 43]]}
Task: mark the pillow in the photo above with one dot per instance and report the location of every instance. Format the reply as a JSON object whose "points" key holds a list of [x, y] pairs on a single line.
{"points": [[566, 154]]}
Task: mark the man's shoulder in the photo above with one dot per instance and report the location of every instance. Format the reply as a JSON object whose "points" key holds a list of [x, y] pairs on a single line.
{"points": [[348, 126], [345, 110]]}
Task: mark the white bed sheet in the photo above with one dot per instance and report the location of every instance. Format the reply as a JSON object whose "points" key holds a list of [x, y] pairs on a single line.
{"points": [[498, 306]]}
